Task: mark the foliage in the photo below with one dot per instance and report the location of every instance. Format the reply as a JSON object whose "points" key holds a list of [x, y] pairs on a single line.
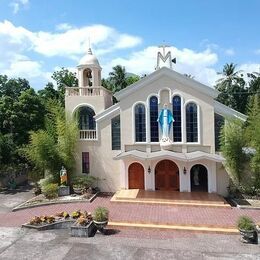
{"points": [[246, 223], [253, 137], [21, 111], [64, 78], [85, 181], [119, 79], [232, 87], [50, 190], [75, 214], [100, 214], [84, 220], [232, 143], [53, 147]]}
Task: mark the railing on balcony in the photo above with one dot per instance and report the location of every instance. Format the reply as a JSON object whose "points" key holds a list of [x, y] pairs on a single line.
{"points": [[87, 135], [86, 91]]}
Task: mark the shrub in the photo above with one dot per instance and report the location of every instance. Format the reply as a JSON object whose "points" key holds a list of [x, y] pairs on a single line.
{"points": [[246, 223], [50, 191], [101, 214], [83, 181]]}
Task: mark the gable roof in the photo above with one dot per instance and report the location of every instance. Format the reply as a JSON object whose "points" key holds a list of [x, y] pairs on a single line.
{"points": [[226, 111], [164, 71]]}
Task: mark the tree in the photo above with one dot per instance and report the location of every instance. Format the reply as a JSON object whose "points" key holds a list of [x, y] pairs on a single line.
{"points": [[253, 137], [54, 147], [64, 78], [49, 93], [21, 111], [232, 87], [118, 78], [132, 79], [232, 143]]}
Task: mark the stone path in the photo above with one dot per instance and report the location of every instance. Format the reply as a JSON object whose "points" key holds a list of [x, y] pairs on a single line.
{"points": [[139, 213]]}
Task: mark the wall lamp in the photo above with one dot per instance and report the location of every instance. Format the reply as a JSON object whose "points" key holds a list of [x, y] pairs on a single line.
{"points": [[184, 170], [149, 169]]}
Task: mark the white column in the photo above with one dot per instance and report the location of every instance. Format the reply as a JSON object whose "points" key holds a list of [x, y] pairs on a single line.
{"points": [[212, 178]]}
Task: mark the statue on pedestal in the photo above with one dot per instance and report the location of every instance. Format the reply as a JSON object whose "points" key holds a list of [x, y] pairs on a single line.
{"points": [[165, 119]]}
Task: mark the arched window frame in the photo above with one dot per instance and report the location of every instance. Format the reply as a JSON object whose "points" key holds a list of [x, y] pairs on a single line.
{"points": [[198, 121], [133, 122], [182, 117], [149, 117]]}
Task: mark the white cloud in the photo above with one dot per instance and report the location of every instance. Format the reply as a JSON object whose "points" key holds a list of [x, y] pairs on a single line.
{"points": [[63, 27], [198, 64], [17, 4], [70, 42], [230, 52]]}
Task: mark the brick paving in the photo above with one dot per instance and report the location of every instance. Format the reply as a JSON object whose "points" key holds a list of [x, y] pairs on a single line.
{"points": [[140, 213]]}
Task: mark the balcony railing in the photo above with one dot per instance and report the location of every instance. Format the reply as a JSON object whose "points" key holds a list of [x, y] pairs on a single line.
{"points": [[86, 91], [87, 135]]}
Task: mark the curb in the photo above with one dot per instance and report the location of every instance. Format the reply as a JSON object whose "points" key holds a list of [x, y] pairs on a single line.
{"points": [[21, 206], [243, 207]]}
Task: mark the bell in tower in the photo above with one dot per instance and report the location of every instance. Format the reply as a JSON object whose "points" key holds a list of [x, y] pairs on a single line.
{"points": [[89, 71]]}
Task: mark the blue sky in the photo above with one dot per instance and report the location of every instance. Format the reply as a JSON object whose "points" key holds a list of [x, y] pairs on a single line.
{"points": [[38, 37]]}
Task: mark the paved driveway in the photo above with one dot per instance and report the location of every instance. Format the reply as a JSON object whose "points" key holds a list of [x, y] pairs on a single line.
{"points": [[11, 198], [57, 245]]}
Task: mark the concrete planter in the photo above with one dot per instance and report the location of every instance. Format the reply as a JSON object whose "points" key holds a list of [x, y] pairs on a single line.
{"points": [[83, 231], [64, 191]]}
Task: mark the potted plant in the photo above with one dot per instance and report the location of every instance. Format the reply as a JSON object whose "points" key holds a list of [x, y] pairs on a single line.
{"points": [[247, 229], [82, 183], [100, 218]]}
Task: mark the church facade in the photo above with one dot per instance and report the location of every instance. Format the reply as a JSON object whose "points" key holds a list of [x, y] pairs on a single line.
{"points": [[127, 146]]}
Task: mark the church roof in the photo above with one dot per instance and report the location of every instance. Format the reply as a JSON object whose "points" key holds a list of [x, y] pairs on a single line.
{"points": [[185, 157], [164, 71], [89, 59]]}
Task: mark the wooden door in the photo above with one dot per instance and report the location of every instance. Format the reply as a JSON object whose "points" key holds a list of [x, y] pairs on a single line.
{"points": [[166, 176], [136, 176]]}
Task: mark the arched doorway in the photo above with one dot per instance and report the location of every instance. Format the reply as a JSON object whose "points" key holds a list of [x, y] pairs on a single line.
{"points": [[166, 176], [136, 176], [199, 178]]}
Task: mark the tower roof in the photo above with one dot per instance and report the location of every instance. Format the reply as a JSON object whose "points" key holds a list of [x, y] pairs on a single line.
{"points": [[89, 59]]}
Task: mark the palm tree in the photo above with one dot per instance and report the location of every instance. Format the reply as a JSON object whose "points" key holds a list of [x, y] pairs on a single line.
{"points": [[229, 73], [232, 88], [118, 78]]}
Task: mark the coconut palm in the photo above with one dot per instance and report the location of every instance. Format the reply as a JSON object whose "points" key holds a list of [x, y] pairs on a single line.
{"points": [[232, 88], [118, 78]]}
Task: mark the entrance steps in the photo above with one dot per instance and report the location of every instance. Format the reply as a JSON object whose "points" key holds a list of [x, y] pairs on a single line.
{"points": [[170, 198], [194, 228]]}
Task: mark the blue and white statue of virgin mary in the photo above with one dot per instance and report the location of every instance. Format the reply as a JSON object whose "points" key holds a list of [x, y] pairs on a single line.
{"points": [[165, 119]]}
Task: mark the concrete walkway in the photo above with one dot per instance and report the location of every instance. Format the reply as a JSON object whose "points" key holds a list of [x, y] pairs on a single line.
{"points": [[58, 245]]}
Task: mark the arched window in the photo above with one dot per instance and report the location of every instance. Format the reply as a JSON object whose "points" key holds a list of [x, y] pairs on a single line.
{"points": [[154, 129], [176, 111], [140, 128], [192, 122], [115, 131], [86, 118]]}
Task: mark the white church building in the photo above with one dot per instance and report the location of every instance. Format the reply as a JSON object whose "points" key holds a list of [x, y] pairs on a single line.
{"points": [[125, 146]]}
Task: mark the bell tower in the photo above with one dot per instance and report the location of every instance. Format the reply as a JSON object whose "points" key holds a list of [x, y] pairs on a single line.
{"points": [[89, 93], [89, 71]]}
